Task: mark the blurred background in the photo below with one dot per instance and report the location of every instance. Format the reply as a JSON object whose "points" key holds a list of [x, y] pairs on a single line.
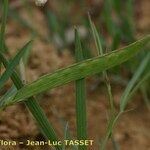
{"points": [[119, 23]]}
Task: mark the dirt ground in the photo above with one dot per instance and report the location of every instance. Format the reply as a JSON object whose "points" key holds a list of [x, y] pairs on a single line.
{"points": [[16, 123]]}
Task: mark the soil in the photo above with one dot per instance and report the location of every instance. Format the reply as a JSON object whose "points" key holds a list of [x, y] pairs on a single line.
{"points": [[16, 123]]}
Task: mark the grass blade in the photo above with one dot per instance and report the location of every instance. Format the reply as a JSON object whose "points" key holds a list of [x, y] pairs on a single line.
{"points": [[68, 136], [9, 70], [100, 52], [32, 105], [35, 109], [3, 25], [111, 124], [9, 93], [145, 93], [133, 81], [139, 84], [79, 70], [105, 75], [96, 37], [80, 97], [109, 22]]}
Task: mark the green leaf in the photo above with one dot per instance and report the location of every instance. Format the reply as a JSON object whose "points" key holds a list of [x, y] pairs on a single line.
{"points": [[32, 104], [80, 70], [143, 79], [100, 52], [8, 94], [9, 70], [96, 37], [125, 96], [34, 108], [109, 22], [80, 97], [3, 25]]}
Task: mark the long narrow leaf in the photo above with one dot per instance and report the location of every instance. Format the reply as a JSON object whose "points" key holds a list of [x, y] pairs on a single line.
{"points": [[4, 19], [80, 97], [105, 75], [79, 70], [9, 70], [142, 80], [9, 93], [32, 105], [96, 37], [35, 109], [100, 52], [131, 84]]}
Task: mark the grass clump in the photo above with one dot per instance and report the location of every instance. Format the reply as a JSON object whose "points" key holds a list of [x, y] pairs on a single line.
{"points": [[78, 73]]}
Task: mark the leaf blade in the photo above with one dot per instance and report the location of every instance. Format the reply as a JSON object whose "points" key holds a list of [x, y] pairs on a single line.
{"points": [[35, 109], [125, 96], [9, 70], [80, 70], [81, 120]]}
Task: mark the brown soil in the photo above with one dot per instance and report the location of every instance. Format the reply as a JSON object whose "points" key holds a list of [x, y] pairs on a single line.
{"points": [[16, 123]]}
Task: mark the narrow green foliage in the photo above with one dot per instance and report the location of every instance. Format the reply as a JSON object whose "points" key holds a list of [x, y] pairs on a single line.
{"points": [[80, 97], [32, 104], [117, 6], [3, 25], [68, 136], [144, 78], [96, 37], [111, 124], [13, 64], [9, 93], [110, 24], [100, 52], [79, 70], [133, 81], [54, 24], [145, 93], [130, 90], [26, 55], [34, 108]]}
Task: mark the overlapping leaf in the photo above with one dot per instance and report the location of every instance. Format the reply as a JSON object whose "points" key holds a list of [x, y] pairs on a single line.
{"points": [[79, 70]]}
